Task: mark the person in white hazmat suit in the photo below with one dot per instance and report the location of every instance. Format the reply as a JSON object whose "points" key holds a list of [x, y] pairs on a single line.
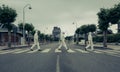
{"points": [[62, 41], [90, 42], [36, 42]]}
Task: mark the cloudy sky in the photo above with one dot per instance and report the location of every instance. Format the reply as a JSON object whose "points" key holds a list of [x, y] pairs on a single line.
{"points": [[45, 14]]}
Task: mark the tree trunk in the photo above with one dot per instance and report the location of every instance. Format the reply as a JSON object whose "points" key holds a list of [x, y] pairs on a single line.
{"points": [[86, 39], [118, 27], [9, 38], [105, 39], [77, 41], [28, 38]]}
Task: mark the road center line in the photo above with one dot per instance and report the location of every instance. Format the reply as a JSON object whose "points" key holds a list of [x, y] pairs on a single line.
{"points": [[57, 64]]}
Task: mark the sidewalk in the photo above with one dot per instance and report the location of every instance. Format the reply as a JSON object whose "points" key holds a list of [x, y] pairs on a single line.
{"points": [[18, 46], [110, 46], [14, 46]]}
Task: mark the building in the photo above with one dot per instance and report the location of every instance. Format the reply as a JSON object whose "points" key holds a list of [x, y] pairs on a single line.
{"points": [[56, 33], [15, 35]]}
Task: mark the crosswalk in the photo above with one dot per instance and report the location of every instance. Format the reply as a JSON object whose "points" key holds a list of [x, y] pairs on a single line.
{"points": [[19, 51]]}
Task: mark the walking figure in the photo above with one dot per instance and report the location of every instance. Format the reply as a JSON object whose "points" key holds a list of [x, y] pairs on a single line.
{"points": [[62, 41], [36, 42], [90, 42]]}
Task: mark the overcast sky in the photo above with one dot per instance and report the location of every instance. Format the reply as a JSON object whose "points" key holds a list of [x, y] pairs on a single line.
{"points": [[45, 14]]}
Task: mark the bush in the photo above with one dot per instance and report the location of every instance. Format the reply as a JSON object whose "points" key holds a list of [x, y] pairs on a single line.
{"points": [[110, 38], [98, 39]]}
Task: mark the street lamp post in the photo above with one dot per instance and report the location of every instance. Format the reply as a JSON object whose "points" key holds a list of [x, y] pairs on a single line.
{"points": [[76, 23], [24, 21]]}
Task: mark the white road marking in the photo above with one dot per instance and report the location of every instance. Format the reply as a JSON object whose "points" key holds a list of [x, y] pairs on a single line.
{"points": [[116, 51], [56, 50], [97, 51], [111, 52], [70, 51], [9, 51], [116, 55], [45, 51], [21, 51], [1, 51], [82, 51], [32, 51], [57, 64]]}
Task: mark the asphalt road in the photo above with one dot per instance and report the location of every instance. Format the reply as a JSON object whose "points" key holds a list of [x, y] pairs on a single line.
{"points": [[59, 61]]}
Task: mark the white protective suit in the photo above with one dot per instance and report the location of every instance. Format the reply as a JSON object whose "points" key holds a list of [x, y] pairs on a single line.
{"points": [[90, 41], [62, 41], [36, 42]]}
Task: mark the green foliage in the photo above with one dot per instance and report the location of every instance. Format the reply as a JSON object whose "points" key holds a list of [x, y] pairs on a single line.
{"points": [[109, 31], [39, 32], [29, 27], [79, 31], [98, 39], [110, 38], [92, 27], [42, 36], [114, 14], [20, 25], [68, 38], [7, 15], [84, 29], [103, 19], [33, 32]]}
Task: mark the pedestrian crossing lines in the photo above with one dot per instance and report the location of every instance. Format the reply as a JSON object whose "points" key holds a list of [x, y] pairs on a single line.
{"points": [[45, 51], [9, 51], [112, 53], [71, 50], [97, 52], [18, 51], [32, 51], [82, 51], [57, 51], [22, 51]]}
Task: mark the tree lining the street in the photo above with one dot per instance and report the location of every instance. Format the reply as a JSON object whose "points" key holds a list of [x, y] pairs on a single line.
{"points": [[29, 27], [7, 17], [84, 30], [107, 17]]}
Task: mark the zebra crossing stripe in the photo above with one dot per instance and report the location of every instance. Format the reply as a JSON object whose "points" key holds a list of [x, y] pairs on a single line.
{"points": [[45, 51], [97, 52], [9, 51], [1, 51], [111, 52], [22, 51], [32, 51], [82, 51], [117, 51], [70, 51], [56, 50]]}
